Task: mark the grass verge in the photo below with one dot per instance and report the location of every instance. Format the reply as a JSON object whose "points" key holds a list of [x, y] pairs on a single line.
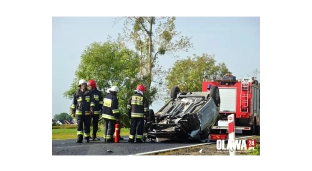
{"points": [[70, 132]]}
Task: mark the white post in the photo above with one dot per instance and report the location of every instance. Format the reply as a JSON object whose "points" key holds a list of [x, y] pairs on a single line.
{"points": [[231, 134]]}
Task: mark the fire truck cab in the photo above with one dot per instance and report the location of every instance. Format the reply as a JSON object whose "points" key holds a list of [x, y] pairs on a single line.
{"points": [[238, 97]]}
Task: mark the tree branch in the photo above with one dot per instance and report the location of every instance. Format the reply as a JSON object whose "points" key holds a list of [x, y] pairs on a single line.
{"points": [[144, 27]]}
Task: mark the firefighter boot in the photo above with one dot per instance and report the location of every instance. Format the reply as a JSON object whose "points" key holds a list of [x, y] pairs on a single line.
{"points": [[131, 140], [110, 140], [95, 139], [87, 138], [79, 139], [139, 141]]}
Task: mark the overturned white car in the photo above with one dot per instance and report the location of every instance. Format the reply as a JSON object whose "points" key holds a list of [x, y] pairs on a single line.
{"points": [[187, 116]]}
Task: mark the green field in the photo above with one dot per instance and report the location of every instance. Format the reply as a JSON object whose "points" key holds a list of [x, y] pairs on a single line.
{"points": [[70, 132]]}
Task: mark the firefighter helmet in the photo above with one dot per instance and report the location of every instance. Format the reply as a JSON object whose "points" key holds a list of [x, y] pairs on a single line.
{"points": [[82, 81], [92, 83], [141, 87], [107, 91], [114, 89]]}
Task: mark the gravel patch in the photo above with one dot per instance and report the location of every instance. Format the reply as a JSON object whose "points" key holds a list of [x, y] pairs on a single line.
{"points": [[208, 150]]}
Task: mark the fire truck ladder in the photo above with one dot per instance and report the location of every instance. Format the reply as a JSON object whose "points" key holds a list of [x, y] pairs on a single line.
{"points": [[244, 97]]}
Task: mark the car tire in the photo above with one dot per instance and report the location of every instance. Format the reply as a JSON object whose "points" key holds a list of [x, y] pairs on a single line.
{"points": [[174, 92], [214, 93], [151, 116]]}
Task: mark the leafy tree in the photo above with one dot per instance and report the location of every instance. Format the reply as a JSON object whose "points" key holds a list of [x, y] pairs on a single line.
{"points": [[189, 73], [110, 64], [62, 116], [55, 116], [153, 36]]}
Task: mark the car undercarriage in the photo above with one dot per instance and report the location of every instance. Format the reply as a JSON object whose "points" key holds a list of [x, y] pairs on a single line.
{"points": [[187, 116]]}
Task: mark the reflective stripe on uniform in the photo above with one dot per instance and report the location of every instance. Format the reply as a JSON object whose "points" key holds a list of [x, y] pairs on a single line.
{"points": [[79, 133], [100, 102], [136, 102], [108, 137], [92, 104], [87, 98], [79, 99], [96, 97], [72, 106], [87, 134], [128, 106], [139, 137], [137, 115], [115, 111], [96, 112], [145, 109], [78, 112], [106, 116], [131, 136]]}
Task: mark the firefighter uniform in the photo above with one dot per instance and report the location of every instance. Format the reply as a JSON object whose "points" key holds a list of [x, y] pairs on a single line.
{"points": [[98, 103], [110, 113], [120, 138], [137, 109], [83, 103]]}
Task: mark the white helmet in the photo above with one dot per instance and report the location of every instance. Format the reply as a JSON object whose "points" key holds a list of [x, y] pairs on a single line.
{"points": [[114, 89], [107, 91], [82, 81]]}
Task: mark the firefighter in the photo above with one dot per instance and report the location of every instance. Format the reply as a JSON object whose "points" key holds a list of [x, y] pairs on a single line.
{"points": [[110, 113], [82, 107], [98, 102], [120, 138], [137, 109]]}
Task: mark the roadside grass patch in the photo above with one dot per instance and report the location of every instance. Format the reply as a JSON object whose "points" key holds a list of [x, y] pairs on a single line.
{"points": [[70, 132]]}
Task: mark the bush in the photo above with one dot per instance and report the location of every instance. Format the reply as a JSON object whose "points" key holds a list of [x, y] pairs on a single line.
{"points": [[256, 151]]}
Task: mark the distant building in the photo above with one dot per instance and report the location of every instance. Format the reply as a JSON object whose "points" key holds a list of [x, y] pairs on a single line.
{"points": [[66, 122]]}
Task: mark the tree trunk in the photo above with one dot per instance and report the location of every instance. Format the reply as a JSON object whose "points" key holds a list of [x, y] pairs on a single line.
{"points": [[150, 54]]}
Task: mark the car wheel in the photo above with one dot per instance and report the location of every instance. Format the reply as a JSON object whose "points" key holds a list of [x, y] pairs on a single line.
{"points": [[214, 93]]}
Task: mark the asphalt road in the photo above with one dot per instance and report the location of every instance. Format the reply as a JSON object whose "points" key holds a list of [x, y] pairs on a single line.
{"points": [[70, 147]]}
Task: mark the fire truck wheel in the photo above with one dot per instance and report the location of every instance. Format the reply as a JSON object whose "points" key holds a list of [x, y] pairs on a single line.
{"points": [[247, 132], [174, 92], [214, 92]]}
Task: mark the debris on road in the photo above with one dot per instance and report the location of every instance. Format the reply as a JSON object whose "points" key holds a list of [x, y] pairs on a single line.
{"points": [[201, 151]]}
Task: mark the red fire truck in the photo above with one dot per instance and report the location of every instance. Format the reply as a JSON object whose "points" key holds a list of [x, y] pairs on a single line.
{"points": [[238, 97]]}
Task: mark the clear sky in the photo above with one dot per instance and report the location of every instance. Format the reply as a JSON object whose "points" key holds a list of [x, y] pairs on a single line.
{"points": [[233, 40]]}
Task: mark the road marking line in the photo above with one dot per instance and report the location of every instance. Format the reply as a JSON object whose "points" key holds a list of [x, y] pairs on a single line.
{"points": [[169, 149], [176, 148]]}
